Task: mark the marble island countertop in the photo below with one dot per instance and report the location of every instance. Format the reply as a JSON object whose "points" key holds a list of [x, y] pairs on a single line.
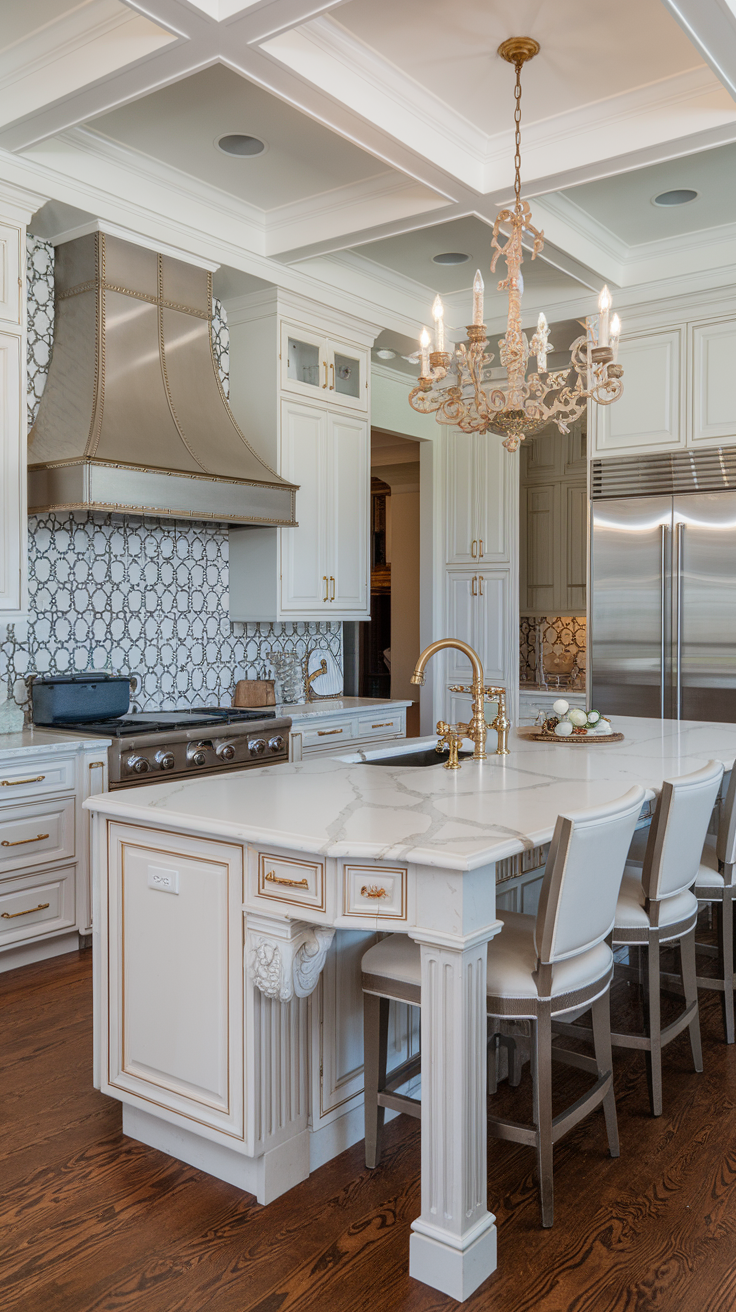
{"points": [[462, 819]]}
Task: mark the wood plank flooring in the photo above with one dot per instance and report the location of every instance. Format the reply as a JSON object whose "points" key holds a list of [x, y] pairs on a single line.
{"points": [[92, 1222]]}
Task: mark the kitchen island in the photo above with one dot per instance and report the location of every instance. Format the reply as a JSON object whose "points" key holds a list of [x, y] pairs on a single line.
{"points": [[216, 905]]}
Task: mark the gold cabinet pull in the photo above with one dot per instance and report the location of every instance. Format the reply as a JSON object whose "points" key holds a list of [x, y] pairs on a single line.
{"points": [[20, 841], [480, 584], [332, 581], [325, 733], [273, 878], [481, 547], [13, 783], [325, 382], [372, 890], [96, 765], [385, 724], [332, 367], [473, 548], [11, 915], [474, 589], [327, 586]]}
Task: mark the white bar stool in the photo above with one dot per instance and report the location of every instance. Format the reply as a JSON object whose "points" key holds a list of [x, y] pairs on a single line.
{"points": [[657, 905], [539, 967]]}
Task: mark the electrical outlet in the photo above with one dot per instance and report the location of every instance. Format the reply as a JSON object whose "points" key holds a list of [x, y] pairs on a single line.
{"points": [[163, 879]]}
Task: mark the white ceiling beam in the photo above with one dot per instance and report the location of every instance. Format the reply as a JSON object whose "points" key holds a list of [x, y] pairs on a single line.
{"points": [[711, 26]]}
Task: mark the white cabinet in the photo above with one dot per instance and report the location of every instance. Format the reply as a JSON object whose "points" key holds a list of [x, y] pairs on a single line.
{"points": [[648, 414], [13, 517], [553, 525], [478, 612], [304, 460], [478, 490], [713, 351], [323, 369]]}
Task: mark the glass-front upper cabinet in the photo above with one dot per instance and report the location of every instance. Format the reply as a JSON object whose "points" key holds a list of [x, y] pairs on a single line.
{"points": [[319, 367]]}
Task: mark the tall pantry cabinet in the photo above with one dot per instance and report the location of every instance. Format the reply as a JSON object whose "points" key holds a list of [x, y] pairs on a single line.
{"points": [[16, 208], [300, 388], [480, 603]]}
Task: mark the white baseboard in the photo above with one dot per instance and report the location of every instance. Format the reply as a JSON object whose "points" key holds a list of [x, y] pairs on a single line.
{"points": [[24, 954]]}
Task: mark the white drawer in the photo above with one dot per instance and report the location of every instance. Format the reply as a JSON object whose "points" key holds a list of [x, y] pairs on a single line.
{"points": [[301, 883], [22, 780], [36, 833], [37, 904], [375, 891], [329, 734], [381, 725]]}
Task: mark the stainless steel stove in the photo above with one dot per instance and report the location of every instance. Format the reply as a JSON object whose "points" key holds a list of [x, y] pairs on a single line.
{"points": [[152, 745]]}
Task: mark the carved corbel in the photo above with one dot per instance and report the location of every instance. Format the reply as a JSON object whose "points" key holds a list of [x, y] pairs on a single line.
{"points": [[286, 957]]}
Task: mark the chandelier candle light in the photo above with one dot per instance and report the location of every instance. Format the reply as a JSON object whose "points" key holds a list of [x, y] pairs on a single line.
{"points": [[470, 399]]}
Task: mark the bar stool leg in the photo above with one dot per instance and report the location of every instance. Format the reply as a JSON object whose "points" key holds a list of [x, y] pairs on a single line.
{"points": [[542, 1074], [601, 1022], [690, 989], [652, 1005], [726, 927], [375, 1047]]}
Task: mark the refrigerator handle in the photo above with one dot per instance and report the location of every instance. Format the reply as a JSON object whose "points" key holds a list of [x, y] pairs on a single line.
{"points": [[662, 617], [680, 531]]}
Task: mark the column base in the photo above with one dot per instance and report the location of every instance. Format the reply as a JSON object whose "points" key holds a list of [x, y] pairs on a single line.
{"points": [[456, 1272]]}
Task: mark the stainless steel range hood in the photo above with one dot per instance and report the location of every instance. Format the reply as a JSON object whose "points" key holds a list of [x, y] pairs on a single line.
{"points": [[133, 417]]}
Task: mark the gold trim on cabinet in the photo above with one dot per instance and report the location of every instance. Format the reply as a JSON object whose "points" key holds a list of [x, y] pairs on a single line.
{"points": [[11, 915], [473, 586], [273, 878], [96, 765], [385, 724], [13, 783], [332, 367], [324, 385], [400, 872], [332, 581], [20, 841], [265, 858], [325, 733]]}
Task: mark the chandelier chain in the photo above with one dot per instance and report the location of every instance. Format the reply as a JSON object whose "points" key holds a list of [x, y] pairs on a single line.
{"points": [[517, 127]]}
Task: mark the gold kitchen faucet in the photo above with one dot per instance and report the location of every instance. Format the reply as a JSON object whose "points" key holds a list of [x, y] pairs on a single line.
{"points": [[477, 728]]}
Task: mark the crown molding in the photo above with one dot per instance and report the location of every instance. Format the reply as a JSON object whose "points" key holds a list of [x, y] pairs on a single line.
{"points": [[20, 202], [280, 301], [128, 234]]}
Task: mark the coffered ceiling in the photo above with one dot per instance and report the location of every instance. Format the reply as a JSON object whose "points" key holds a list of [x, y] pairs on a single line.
{"points": [[387, 126]]}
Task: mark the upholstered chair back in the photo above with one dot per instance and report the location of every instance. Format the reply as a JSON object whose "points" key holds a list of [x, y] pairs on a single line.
{"points": [[678, 831], [583, 877], [726, 841]]}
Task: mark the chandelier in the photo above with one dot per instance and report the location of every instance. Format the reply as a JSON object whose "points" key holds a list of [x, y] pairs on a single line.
{"points": [[459, 388]]}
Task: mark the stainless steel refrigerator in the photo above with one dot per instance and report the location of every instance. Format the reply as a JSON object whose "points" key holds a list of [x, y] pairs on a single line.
{"points": [[663, 586]]}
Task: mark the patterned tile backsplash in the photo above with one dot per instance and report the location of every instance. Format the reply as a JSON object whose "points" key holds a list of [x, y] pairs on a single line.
{"points": [[559, 634], [134, 595]]}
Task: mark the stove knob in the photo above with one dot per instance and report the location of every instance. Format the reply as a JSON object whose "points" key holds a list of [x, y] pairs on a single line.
{"points": [[276, 744], [257, 747], [198, 758], [165, 760], [139, 764], [227, 752]]}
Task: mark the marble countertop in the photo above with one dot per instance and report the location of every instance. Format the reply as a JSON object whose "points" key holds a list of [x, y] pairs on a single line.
{"points": [[460, 819], [333, 706], [29, 742]]}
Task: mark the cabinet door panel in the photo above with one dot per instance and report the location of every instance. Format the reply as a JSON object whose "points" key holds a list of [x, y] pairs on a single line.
{"points": [[541, 505], [303, 549], [647, 414], [348, 374], [340, 1042], [347, 518], [714, 403], [11, 265], [12, 478], [490, 630], [461, 497], [303, 363], [495, 468], [462, 600], [574, 543]]}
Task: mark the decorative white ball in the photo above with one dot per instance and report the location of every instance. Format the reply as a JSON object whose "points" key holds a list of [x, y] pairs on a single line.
{"points": [[577, 717], [561, 707], [563, 729], [593, 717]]}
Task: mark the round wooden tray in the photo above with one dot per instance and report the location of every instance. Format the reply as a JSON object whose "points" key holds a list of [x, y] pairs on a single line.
{"points": [[578, 739]]}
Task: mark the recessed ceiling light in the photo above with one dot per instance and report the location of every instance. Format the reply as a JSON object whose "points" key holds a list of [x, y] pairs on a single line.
{"points": [[450, 257], [385, 354], [237, 143], [680, 196]]}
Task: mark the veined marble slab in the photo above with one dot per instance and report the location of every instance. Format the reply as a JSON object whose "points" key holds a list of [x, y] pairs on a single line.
{"points": [[334, 706], [29, 742], [458, 819]]}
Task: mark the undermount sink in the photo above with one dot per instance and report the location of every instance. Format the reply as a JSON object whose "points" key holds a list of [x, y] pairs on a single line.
{"points": [[426, 756]]}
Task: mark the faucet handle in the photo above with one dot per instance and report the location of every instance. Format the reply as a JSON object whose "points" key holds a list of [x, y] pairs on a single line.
{"points": [[459, 687]]}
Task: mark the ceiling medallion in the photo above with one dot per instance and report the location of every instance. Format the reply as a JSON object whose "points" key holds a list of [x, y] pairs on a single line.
{"points": [[470, 400]]}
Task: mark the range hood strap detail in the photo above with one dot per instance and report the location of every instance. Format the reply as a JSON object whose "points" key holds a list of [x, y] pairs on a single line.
{"points": [[98, 405], [164, 373]]}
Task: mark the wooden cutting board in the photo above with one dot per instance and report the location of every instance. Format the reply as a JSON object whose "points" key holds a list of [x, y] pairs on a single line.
{"points": [[254, 692]]}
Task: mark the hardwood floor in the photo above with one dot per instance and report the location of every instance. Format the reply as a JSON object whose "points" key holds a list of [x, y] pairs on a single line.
{"points": [[92, 1222]]}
